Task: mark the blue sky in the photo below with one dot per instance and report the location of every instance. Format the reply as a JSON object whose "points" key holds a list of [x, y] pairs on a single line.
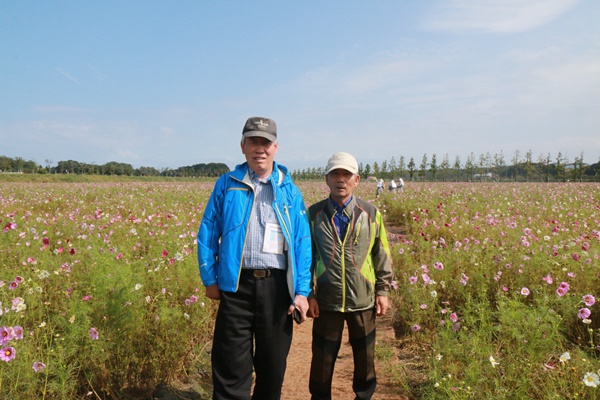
{"points": [[171, 83]]}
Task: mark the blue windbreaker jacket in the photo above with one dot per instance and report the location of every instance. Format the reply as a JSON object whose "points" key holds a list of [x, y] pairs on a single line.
{"points": [[224, 226]]}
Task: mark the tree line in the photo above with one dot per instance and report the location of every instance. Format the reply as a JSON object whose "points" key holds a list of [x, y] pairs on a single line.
{"points": [[486, 167], [20, 165]]}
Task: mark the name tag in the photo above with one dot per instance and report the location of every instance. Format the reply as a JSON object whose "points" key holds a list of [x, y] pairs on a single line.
{"points": [[273, 242]]}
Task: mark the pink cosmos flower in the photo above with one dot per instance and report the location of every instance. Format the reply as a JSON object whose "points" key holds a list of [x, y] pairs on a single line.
{"points": [[548, 279], [17, 332], [38, 366], [584, 313], [165, 253], [589, 300], [426, 279], [585, 246], [525, 291], [416, 328], [438, 265], [576, 257], [463, 279], [453, 317], [5, 335], [423, 306], [413, 280], [394, 285], [94, 334], [7, 354], [563, 288]]}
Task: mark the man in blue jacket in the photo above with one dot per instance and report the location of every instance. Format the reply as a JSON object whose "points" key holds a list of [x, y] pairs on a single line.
{"points": [[254, 251]]}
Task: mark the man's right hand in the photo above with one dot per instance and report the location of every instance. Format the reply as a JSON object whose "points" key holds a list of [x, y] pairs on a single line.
{"points": [[212, 292]]}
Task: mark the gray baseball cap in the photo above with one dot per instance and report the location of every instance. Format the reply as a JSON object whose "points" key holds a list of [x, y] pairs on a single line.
{"points": [[262, 127]]}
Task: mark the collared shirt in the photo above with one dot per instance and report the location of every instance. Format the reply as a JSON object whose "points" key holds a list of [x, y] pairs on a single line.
{"points": [[262, 214], [341, 219]]}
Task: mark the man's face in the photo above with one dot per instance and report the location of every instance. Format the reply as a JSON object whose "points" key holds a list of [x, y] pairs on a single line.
{"points": [[341, 184], [260, 153]]}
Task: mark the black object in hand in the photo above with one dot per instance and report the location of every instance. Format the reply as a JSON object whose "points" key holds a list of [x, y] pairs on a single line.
{"points": [[297, 316]]}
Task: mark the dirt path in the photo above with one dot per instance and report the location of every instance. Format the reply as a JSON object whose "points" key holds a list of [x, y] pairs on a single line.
{"points": [[295, 386]]}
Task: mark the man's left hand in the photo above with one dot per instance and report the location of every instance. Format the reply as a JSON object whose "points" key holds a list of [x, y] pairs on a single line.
{"points": [[381, 304]]}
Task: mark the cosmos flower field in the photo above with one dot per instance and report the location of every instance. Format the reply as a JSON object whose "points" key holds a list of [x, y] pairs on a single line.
{"points": [[495, 287]]}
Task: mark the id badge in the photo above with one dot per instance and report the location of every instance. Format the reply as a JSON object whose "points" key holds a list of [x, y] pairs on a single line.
{"points": [[273, 242]]}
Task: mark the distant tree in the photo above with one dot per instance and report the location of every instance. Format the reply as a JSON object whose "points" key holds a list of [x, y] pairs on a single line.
{"points": [[384, 168], [457, 166], [445, 167], [515, 161], [423, 167], [499, 164], [367, 170], [411, 168], [401, 166], [470, 166], [528, 166], [578, 168], [393, 168], [560, 166], [376, 169], [433, 167]]}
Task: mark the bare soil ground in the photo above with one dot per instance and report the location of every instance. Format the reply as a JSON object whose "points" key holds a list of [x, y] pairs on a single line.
{"points": [[295, 386]]}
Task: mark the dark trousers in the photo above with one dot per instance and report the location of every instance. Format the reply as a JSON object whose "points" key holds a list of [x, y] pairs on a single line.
{"points": [[327, 338], [252, 330]]}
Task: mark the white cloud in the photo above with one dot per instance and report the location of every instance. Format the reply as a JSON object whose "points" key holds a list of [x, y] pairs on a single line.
{"points": [[68, 75], [500, 16]]}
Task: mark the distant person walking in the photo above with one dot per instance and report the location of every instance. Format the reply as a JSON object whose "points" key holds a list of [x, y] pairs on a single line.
{"points": [[380, 185], [400, 184], [393, 186]]}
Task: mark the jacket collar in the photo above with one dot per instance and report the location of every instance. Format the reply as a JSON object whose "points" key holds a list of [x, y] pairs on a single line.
{"points": [[279, 175]]}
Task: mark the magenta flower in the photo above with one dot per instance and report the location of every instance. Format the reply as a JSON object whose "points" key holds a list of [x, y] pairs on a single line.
{"points": [[7, 354], [584, 313], [93, 334], [589, 300], [585, 246], [38, 366]]}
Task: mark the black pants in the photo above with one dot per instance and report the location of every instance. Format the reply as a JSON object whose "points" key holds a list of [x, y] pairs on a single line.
{"points": [[252, 330], [327, 338]]}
